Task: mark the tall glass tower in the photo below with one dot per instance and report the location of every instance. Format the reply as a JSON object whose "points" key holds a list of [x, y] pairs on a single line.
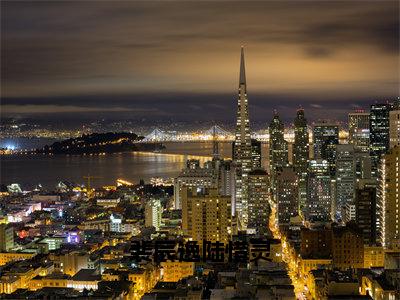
{"points": [[379, 133], [301, 155], [278, 147], [242, 150], [300, 146]]}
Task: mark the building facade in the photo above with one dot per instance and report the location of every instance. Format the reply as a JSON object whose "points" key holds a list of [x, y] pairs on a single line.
{"points": [[347, 248], [6, 237], [153, 214], [366, 211], [193, 175], [206, 215]]}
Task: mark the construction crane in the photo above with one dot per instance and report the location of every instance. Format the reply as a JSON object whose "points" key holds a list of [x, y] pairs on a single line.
{"points": [[89, 190]]}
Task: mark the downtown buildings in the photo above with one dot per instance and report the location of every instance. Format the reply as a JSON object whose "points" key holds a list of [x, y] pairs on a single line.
{"points": [[202, 210]]}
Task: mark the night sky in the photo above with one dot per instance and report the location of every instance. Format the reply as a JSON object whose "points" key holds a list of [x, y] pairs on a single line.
{"points": [[180, 60]]}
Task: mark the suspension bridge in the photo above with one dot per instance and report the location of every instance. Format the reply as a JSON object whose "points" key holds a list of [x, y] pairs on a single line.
{"points": [[214, 133]]}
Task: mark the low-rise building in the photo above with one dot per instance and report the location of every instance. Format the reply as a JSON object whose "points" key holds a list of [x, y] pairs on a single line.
{"points": [[175, 271], [374, 256]]}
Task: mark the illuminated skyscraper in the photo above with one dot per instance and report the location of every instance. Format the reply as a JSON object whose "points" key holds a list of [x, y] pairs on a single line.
{"points": [[278, 150], [319, 191], [301, 155], [259, 209], [359, 130], [242, 149], [389, 199], [278, 147], [325, 139], [300, 146], [345, 179], [379, 133]]}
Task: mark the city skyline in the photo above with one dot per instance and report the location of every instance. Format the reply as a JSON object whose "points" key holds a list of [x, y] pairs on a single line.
{"points": [[123, 177], [107, 63]]}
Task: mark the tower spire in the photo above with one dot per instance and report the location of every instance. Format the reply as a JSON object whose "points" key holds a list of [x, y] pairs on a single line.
{"points": [[242, 77]]}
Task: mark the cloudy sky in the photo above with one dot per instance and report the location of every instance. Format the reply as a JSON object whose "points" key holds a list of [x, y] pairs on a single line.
{"points": [[180, 60]]}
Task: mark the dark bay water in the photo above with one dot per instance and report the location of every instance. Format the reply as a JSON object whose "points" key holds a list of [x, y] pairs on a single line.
{"points": [[49, 170]]}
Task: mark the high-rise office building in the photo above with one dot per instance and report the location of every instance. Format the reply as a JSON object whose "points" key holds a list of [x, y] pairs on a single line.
{"points": [[287, 196], [6, 237], [278, 147], [366, 213], [194, 175], [278, 150], [301, 143], [301, 155], [319, 191], [379, 133], [153, 214], [325, 139], [242, 149], [389, 199], [206, 215], [345, 179], [259, 210], [394, 127], [359, 130]]}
